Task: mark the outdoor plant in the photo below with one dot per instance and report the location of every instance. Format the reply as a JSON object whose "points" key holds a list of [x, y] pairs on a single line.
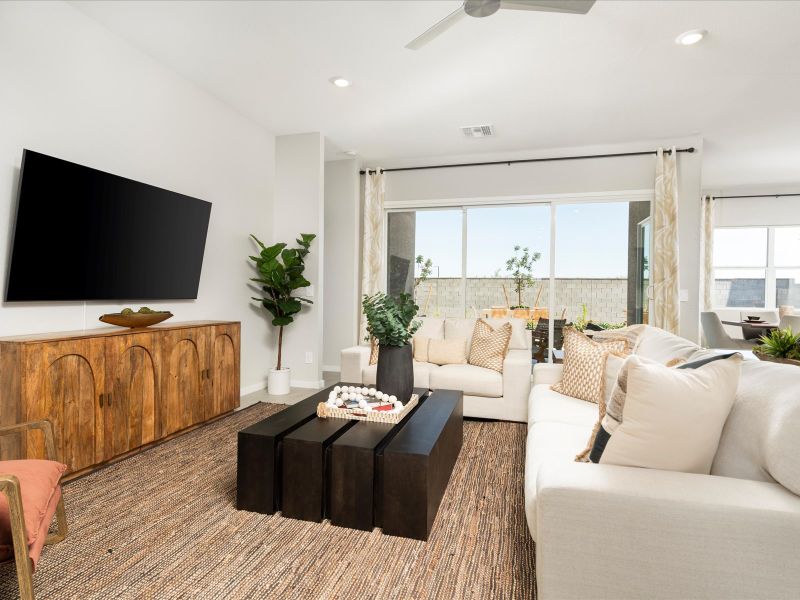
{"points": [[280, 274], [390, 320], [780, 343], [520, 269], [425, 266]]}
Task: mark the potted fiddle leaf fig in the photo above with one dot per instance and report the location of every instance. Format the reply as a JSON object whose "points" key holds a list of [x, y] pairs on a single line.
{"points": [[280, 275], [391, 322]]}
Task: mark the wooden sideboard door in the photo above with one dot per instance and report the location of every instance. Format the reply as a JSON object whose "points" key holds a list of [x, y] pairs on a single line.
{"points": [[185, 356], [133, 390], [63, 384], [223, 388]]}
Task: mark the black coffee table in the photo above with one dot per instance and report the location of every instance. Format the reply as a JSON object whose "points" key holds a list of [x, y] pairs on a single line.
{"points": [[356, 473]]}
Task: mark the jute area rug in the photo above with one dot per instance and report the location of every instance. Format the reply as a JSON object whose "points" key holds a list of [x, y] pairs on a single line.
{"points": [[163, 525]]}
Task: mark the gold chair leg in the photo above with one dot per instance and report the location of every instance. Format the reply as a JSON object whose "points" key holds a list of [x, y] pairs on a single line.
{"points": [[61, 523]]}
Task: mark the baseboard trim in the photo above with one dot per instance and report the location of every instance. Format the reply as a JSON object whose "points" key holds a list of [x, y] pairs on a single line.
{"points": [[332, 368], [250, 389], [308, 384]]}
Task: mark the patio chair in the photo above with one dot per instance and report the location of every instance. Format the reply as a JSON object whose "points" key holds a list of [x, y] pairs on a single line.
{"points": [[540, 337], [792, 321], [716, 337], [33, 493]]}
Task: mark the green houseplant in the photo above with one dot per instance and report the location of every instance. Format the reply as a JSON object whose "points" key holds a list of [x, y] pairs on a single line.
{"points": [[280, 275], [779, 345], [391, 322]]}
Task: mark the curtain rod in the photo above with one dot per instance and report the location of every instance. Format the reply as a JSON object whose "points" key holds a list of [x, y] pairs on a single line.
{"points": [[754, 196], [527, 160]]}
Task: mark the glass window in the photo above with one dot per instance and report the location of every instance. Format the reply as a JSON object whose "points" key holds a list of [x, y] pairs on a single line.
{"points": [[740, 247], [424, 257], [597, 262], [787, 246], [497, 235], [787, 287], [739, 288]]}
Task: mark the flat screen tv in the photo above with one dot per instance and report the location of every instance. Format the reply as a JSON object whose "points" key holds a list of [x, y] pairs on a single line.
{"points": [[82, 234]]}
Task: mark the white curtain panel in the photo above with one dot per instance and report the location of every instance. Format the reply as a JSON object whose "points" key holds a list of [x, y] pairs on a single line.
{"points": [[708, 251], [372, 248], [666, 295]]}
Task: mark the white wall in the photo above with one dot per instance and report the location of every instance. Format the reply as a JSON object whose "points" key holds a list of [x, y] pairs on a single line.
{"points": [[70, 88], [342, 281], [570, 177], [299, 208]]}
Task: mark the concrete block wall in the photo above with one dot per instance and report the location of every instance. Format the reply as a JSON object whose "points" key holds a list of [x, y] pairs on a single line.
{"points": [[605, 299]]}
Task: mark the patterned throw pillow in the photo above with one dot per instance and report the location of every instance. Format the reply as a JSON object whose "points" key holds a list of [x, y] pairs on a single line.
{"points": [[373, 351], [489, 345], [584, 365], [629, 334]]}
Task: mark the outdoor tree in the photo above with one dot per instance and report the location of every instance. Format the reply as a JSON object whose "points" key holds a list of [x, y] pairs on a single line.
{"points": [[425, 266], [520, 269]]}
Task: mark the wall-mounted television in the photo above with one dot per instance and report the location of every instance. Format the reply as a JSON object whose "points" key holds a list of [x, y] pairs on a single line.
{"points": [[83, 234]]}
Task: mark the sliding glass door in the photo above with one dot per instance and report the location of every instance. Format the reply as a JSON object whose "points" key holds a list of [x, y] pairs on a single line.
{"points": [[553, 264]]}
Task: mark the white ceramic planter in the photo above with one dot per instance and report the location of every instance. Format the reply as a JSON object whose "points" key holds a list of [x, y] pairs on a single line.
{"points": [[278, 382]]}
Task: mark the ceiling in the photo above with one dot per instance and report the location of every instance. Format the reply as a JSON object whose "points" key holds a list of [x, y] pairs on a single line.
{"points": [[544, 80]]}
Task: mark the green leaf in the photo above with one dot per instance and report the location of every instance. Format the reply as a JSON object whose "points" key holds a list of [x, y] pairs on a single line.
{"points": [[282, 321]]}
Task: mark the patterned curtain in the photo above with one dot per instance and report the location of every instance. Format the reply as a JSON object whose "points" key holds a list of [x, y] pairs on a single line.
{"points": [[708, 251], [666, 295], [372, 245]]}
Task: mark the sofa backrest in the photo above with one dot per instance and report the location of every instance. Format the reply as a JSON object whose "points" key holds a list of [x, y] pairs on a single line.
{"points": [[662, 346], [432, 327], [463, 328], [761, 438]]}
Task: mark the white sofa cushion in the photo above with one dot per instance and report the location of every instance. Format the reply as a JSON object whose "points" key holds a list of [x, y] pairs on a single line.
{"points": [[422, 371], [549, 443], [662, 346], [672, 419], [459, 329], [761, 438], [545, 405], [432, 327], [472, 380]]}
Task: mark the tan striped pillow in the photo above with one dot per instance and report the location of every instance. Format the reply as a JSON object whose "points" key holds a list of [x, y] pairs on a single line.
{"points": [[584, 365], [489, 345]]}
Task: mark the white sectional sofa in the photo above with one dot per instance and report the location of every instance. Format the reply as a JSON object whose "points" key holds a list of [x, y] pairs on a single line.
{"points": [[487, 393], [605, 531]]}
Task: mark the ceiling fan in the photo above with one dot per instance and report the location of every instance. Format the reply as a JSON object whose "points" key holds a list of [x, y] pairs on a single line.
{"points": [[485, 8]]}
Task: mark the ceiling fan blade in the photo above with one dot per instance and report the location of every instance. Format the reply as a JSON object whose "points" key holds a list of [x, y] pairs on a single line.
{"points": [[437, 30], [578, 7]]}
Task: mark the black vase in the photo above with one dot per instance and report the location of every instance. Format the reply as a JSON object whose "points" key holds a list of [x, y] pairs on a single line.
{"points": [[395, 374]]}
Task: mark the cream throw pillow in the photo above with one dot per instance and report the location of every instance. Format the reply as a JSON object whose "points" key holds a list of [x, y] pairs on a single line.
{"points": [[489, 345], [420, 343], [447, 352], [584, 365], [673, 418]]}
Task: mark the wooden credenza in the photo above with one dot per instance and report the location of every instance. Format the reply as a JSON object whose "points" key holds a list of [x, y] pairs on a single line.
{"points": [[110, 392]]}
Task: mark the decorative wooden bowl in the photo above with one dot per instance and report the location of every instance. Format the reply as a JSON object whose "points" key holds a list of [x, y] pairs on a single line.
{"points": [[135, 320]]}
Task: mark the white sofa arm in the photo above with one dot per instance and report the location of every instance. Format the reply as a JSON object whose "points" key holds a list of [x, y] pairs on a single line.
{"points": [[353, 362], [517, 379], [547, 373], [606, 531]]}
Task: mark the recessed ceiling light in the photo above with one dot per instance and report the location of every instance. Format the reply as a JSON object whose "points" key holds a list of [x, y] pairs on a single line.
{"points": [[688, 38], [340, 82], [351, 152]]}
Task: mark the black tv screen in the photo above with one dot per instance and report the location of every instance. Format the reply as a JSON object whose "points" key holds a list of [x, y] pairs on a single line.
{"points": [[82, 234]]}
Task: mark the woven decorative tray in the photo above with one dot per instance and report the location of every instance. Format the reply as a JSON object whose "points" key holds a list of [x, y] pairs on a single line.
{"points": [[375, 416]]}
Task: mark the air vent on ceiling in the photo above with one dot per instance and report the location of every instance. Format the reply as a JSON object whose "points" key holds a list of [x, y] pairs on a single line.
{"points": [[478, 131]]}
